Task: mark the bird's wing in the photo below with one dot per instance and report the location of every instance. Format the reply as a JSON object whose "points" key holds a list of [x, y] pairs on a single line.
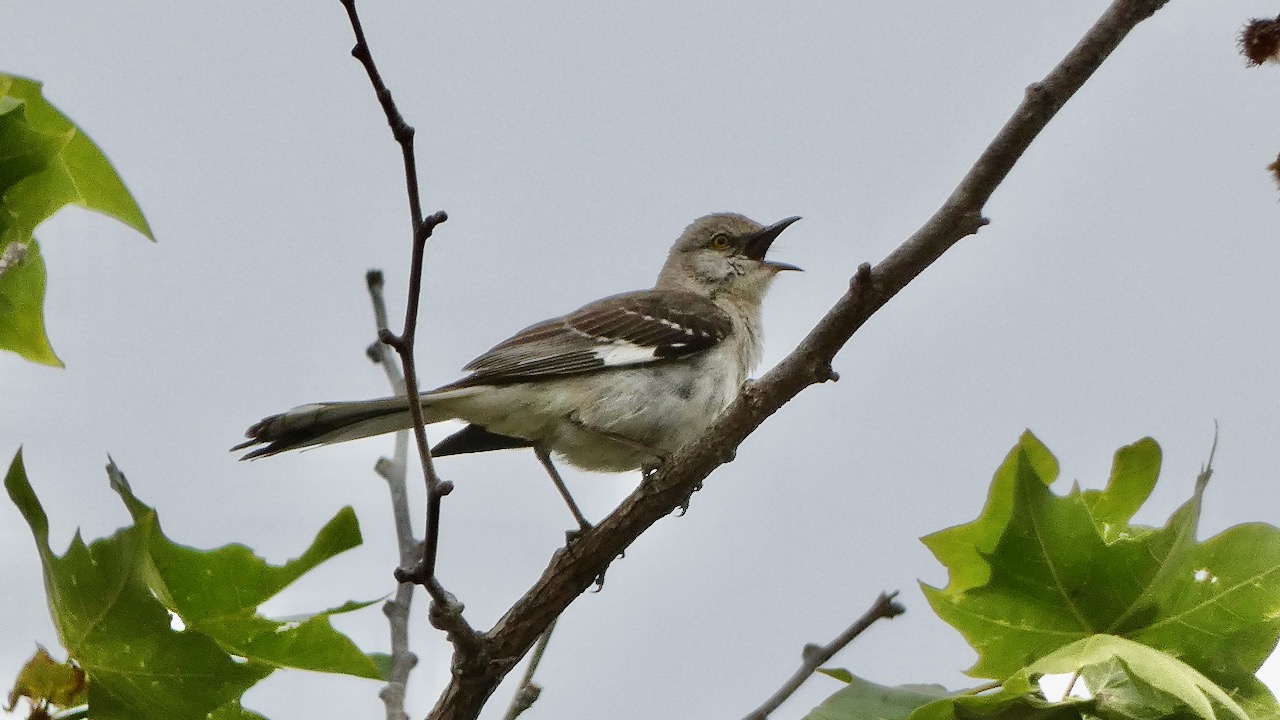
{"points": [[623, 330]]}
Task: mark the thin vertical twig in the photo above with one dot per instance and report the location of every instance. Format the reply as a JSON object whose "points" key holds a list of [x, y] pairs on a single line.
{"points": [[446, 611], [395, 471]]}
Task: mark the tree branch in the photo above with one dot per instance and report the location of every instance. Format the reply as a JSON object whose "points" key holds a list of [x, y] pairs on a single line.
{"points": [[395, 471], [527, 692], [571, 573], [445, 612], [814, 656]]}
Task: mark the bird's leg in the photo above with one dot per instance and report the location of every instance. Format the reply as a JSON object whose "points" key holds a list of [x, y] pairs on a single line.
{"points": [[544, 457]]}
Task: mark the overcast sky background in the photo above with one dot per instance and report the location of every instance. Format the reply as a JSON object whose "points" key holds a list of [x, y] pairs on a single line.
{"points": [[1126, 287]]}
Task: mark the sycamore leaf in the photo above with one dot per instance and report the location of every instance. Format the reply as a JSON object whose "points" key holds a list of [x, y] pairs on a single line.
{"points": [[1133, 476], [113, 600], [864, 700], [1124, 693], [218, 591], [383, 662], [1031, 604], [119, 634], [1125, 680], [1119, 663], [1220, 606], [962, 548], [24, 149], [46, 683], [78, 174], [46, 162], [22, 303], [1067, 569]]}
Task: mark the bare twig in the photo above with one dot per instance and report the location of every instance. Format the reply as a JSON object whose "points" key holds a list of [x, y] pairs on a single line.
{"points": [[378, 351], [570, 573], [395, 471], [814, 656], [446, 611], [527, 692]]}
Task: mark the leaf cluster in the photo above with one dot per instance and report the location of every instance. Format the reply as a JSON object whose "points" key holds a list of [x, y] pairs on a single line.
{"points": [[1147, 622], [161, 630]]}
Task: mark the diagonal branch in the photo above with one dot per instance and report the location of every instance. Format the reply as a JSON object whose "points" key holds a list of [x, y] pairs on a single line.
{"points": [[814, 656], [571, 573]]}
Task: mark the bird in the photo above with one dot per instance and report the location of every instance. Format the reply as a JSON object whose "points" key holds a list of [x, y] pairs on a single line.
{"points": [[616, 385]]}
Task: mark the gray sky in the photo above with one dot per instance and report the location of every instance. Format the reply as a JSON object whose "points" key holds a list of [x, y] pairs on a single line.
{"points": [[1126, 287]]}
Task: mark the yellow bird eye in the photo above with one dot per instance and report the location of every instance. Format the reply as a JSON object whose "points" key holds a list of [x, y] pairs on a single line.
{"points": [[720, 242]]}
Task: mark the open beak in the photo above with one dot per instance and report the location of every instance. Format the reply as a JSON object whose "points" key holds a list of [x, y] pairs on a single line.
{"points": [[757, 246]]}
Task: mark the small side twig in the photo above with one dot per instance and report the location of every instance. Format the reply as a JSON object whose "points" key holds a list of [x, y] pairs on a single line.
{"points": [[527, 692], [395, 471], [814, 656], [446, 611], [1206, 470]]}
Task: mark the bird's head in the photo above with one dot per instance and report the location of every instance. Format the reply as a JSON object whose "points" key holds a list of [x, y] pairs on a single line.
{"points": [[724, 253]]}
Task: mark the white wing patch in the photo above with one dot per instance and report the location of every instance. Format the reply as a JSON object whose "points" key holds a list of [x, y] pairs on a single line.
{"points": [[621, 352]]}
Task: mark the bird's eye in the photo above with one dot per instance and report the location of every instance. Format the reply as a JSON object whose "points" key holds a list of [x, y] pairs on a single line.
{"points": [[720, 241]]}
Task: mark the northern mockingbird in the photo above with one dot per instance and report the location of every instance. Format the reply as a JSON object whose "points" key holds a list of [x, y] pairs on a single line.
{"points": [[615, 385]]}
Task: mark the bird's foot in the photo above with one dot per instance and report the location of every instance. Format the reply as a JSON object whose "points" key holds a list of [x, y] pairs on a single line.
{"points": [[573, 536], [684, 504]]}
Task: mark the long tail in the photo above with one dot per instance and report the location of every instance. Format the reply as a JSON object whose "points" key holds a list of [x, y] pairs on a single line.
{"points": [[335, 422]]}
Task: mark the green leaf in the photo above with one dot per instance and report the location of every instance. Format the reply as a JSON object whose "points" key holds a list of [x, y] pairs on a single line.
{"points": [[113, 601], [1220, 606], [46, 162], [24, 150], [1124, 679], [45, 682], [217, 592], [22, 303], [1123, 693], [962, 549], [1032, 603], [119, 634], [79, 174], [1120, 662], [384, 663], [1066, 569], [864, 700], [1133, 477]]}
